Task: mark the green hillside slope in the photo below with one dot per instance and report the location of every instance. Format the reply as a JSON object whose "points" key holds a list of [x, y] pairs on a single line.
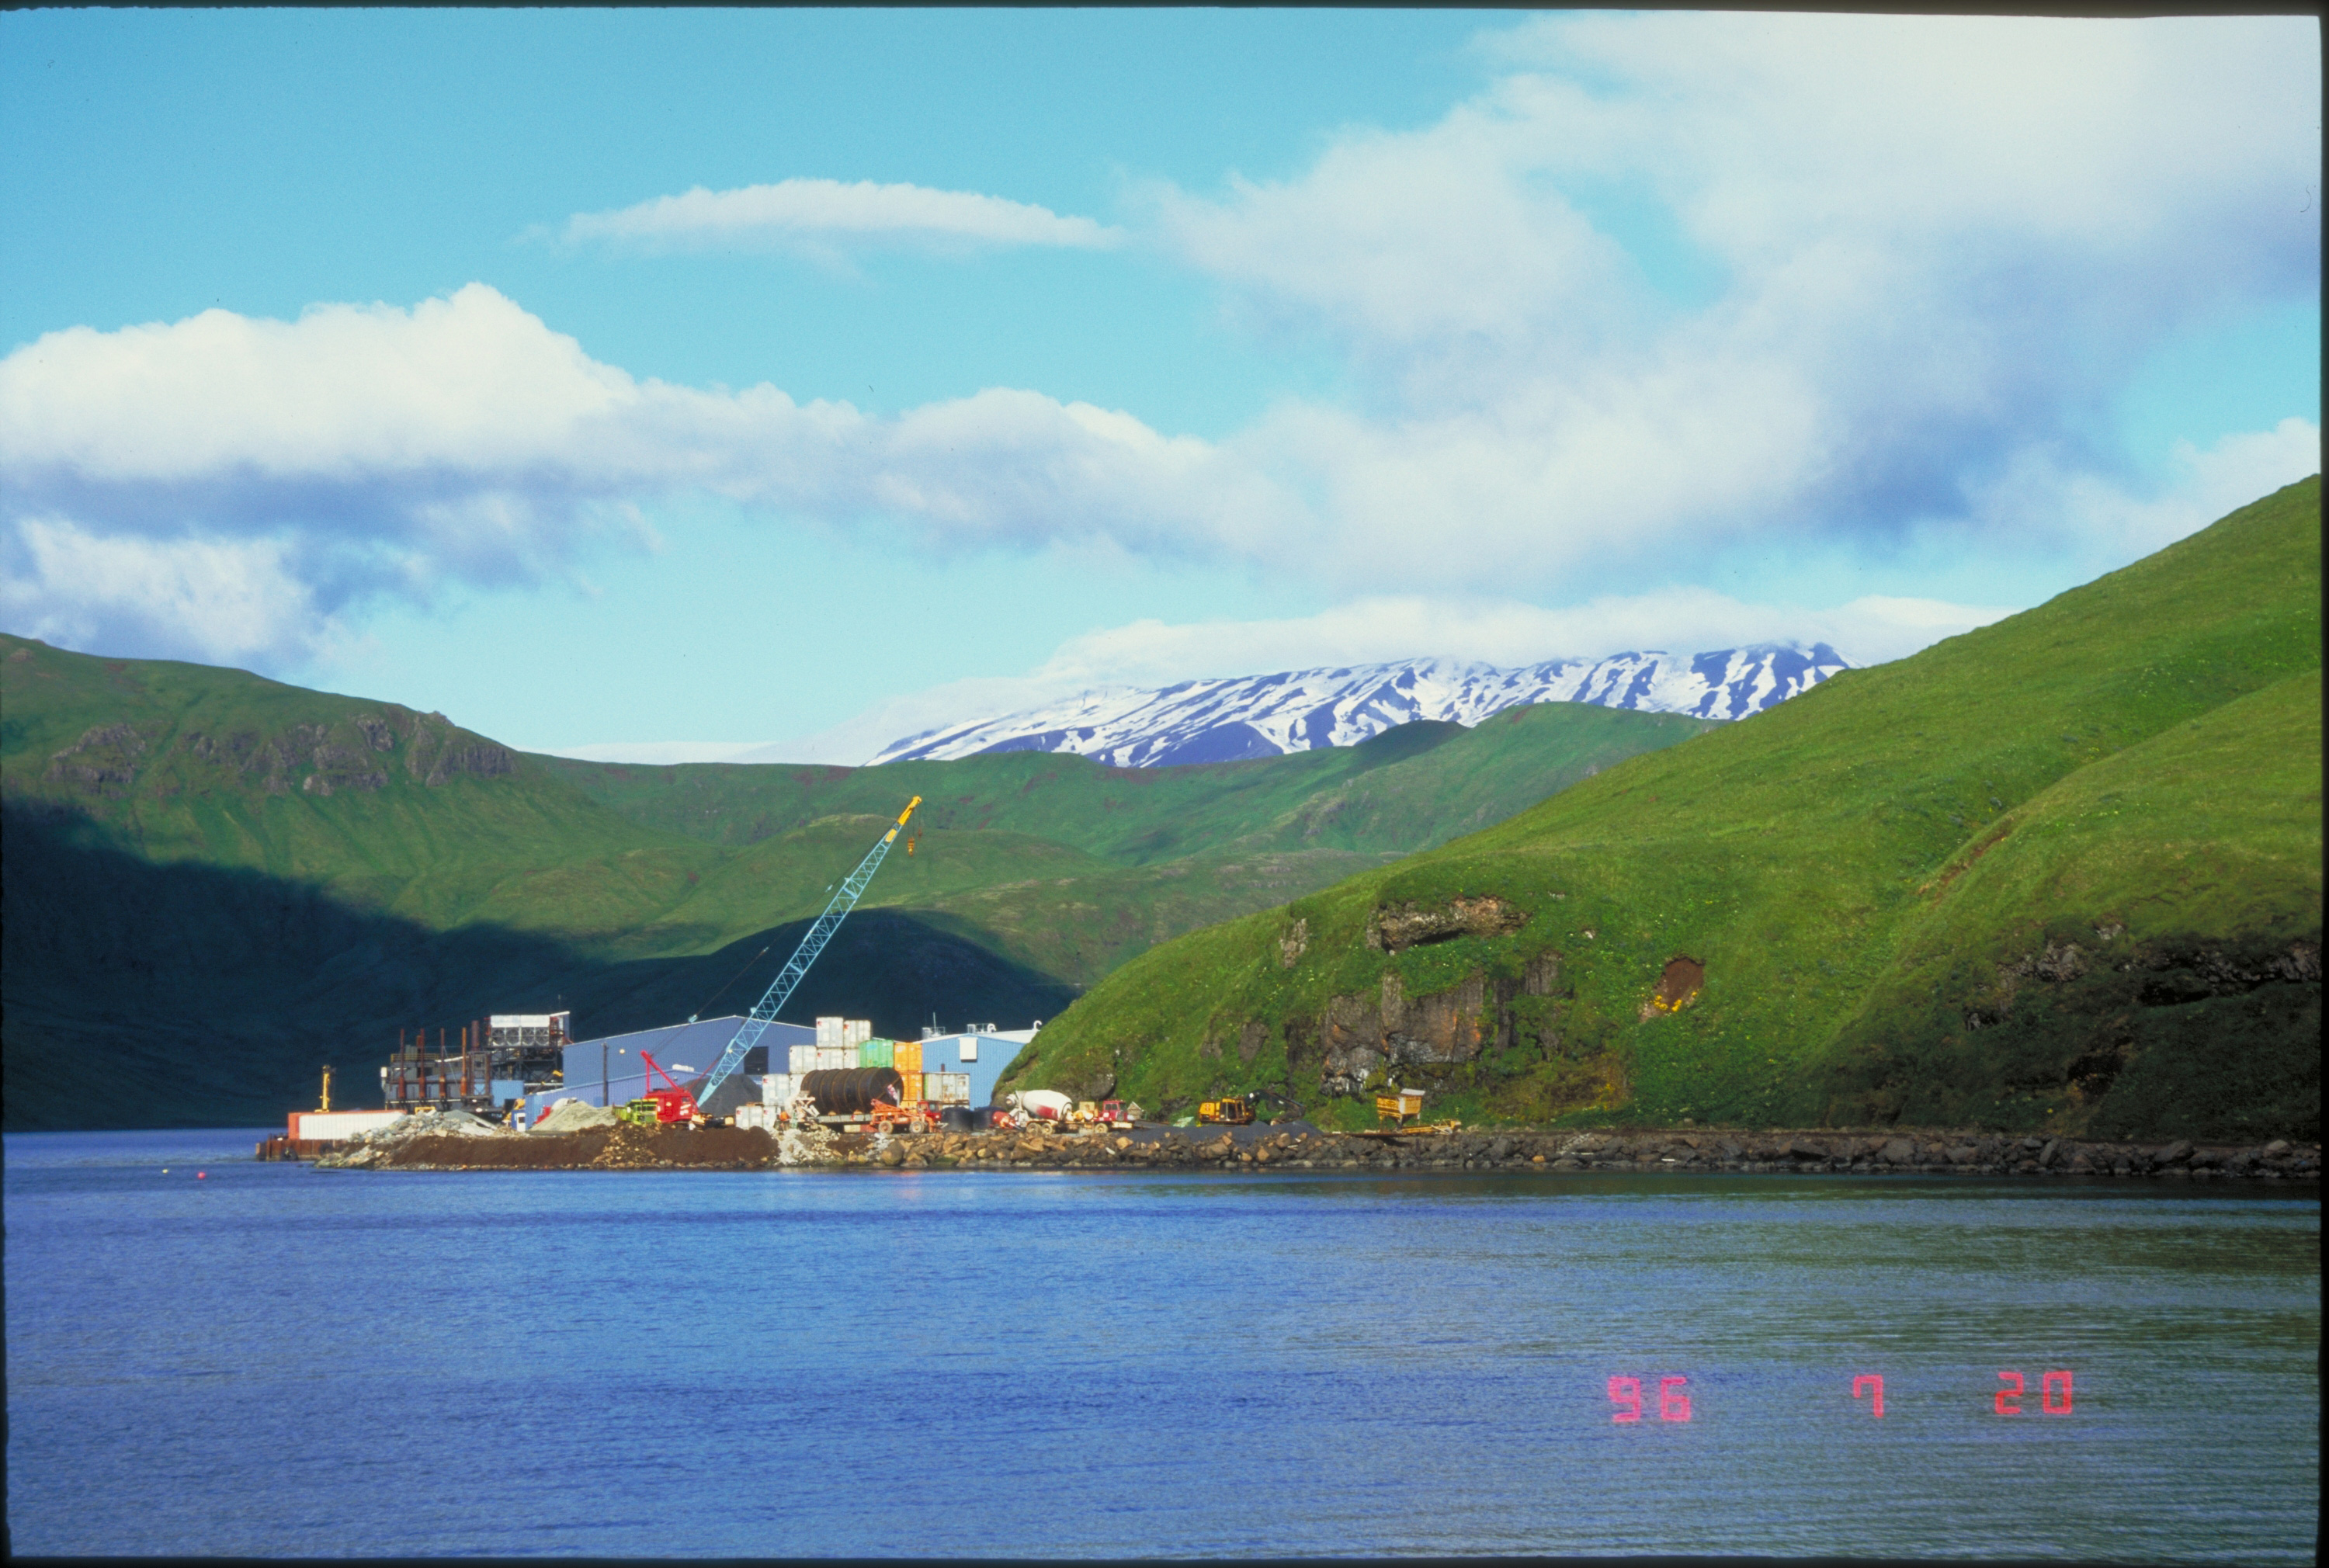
{"points": [[1813, 915], [432, 874], [1408, 788]]}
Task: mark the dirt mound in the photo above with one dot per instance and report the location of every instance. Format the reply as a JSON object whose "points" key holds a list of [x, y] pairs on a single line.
{"points": [[575, 1116]]}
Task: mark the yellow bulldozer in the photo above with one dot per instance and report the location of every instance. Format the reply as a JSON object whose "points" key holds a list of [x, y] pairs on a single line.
{"points": [[1226, 1113]]}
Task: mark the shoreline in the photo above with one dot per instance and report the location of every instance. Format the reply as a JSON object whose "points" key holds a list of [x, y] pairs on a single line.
{"points": [[1304, 1147]]}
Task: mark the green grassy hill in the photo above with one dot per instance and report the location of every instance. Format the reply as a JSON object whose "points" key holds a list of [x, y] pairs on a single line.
{"points": [[244, 880], [2064, 871]]}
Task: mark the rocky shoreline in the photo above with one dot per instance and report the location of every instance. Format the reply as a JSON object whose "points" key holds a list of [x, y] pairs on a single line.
{"points": [[1301, 1147]]}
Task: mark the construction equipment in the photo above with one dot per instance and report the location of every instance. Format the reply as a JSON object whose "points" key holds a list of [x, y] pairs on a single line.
{"points": [[672, 1103], [1112, 1113], [915, 1118], [638, 1112], [1225, 1112], [765, 1012], [1040, 1105]]}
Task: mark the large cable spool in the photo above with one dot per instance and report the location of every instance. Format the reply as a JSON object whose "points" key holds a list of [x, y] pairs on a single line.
{"points": [[852, 1090]]}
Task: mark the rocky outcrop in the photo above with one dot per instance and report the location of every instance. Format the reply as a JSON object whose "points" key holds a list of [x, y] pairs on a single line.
{"points": [[320, 759], [1393, 929], [1361, 1034], [2173, 972], [103, 760]]}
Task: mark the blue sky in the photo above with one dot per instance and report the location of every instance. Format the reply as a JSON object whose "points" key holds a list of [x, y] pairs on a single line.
{"points": [[666, 384]]}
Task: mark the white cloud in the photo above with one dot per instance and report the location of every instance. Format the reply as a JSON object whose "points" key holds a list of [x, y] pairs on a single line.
{"points": [[1935, 244], [219, 601], [826, 212], [2109, 525], [1929, 246], [387, 450]]}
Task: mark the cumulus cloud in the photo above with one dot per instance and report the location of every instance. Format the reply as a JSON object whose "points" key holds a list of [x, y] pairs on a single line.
{"points": [[822, 213], [1930, 248], [1932, 245], [376, 449], [216, 601]]}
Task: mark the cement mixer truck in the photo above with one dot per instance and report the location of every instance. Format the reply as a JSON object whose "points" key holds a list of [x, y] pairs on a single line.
{"points": [[1041, 1105]]}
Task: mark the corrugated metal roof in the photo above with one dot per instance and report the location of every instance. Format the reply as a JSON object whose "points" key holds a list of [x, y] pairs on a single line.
{"points": [[607, 1071]]}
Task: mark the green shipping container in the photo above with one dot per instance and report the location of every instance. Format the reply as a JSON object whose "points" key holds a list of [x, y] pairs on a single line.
{"points": [[875, 1053]]}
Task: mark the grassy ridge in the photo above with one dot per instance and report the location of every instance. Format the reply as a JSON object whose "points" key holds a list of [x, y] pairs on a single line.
{"points": [[1851, 870], [1408, 788], [479, 878]]}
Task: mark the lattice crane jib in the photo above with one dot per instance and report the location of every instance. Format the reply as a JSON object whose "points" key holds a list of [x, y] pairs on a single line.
{"points": [[765, 1012]]}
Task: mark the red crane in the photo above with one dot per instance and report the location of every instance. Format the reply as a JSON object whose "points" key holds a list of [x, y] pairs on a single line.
{"points": [[672, 1103]]}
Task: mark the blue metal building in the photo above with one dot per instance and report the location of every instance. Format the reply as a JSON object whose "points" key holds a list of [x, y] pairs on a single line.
{"points": [[610, 1071]]}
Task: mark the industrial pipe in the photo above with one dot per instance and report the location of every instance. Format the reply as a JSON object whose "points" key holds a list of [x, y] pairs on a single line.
{"points": [[852, 1090]]}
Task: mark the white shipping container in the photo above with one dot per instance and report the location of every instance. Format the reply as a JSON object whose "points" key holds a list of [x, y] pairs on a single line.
{"points": [[856, 1032], [946, 1088], [329, 1125], [776, 1088], [837, 1058], [748, 1116], [828, 1031], [803, 1059]]}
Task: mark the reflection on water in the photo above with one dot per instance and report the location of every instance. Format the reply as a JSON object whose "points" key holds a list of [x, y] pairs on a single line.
{"points": [[275, 1359]]}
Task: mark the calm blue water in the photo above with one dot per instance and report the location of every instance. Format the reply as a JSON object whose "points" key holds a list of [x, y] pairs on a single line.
{"points": [[280, 1360]]}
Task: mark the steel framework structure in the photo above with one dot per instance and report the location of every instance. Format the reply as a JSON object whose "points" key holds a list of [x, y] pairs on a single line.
{"points": [[764, 1013]]}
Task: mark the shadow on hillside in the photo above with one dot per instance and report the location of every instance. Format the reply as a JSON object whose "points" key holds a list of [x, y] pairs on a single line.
{"points": [[136, 994]]}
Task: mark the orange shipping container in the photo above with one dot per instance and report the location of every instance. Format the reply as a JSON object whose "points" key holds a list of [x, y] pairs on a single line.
{"points": [[906, 1056]]}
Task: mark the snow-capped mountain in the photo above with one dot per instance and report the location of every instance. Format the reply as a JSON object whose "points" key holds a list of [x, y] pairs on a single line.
{"points": [[1267, 715]]}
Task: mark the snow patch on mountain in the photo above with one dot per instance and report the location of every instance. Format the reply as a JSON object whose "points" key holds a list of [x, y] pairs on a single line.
{"points": [[1226, 720]]}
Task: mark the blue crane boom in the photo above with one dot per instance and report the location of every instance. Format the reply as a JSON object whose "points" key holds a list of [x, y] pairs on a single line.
{"points": [[764, 1013]]}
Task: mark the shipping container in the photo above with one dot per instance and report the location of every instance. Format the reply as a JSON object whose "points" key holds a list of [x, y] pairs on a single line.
{"points": [[837, 1059], [946, 1088], [777, 1089], [875, 1053], [856, 1031], [329, 1126], [906, 1055], [802, 1059], [828, 1031]]}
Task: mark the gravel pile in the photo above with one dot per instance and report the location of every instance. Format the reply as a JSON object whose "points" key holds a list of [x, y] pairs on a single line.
{"points": [[575, 1116], [370, 1148]]}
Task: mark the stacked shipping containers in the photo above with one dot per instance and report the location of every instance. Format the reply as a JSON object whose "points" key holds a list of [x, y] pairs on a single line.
{"points": [[847, 1044]]}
